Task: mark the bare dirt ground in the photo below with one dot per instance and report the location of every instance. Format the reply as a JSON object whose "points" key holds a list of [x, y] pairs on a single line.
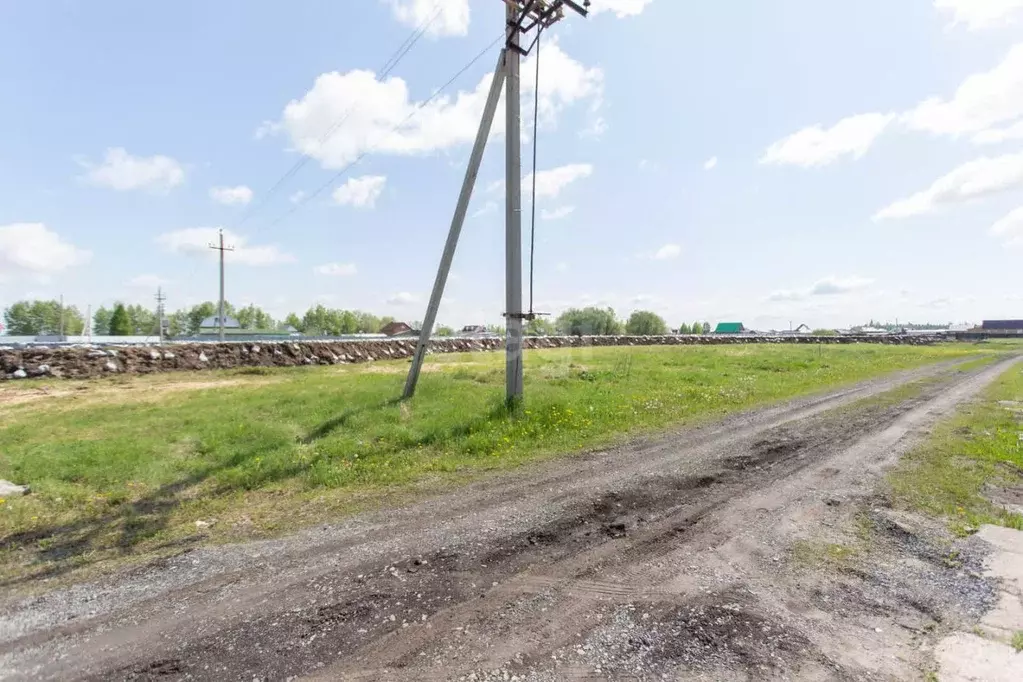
{"points": [[689, 557]]}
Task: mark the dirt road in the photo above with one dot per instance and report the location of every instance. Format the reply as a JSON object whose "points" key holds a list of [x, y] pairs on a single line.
{"points": [[668, 559]]}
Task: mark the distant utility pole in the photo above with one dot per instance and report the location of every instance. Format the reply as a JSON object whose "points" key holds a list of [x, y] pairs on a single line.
{"points": [[88, 324], [160, 298], [220, 310], [61, 323], [522, 18]]}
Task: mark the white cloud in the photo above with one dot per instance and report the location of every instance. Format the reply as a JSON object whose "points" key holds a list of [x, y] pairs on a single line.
{"points": [[195, 241], [816, 146], [381, 116], [403, 298], [971, 180], [336, 269], [297, 196], [786, 295], [979, 14], [549, 183], [668, 252], [485, 209], [982, 101], [147, 281], [122, 171], [1010, 228], [621, 8], [30, 249], [830, 286], [556, 213], [361, 192], [439, 17], [230, 196], [999, 135], [710, 163]]}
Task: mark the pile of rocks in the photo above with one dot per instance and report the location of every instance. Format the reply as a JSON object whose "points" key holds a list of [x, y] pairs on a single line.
{"points": [[80, 362]]}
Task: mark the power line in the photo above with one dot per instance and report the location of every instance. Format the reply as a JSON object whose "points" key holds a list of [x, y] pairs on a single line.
{"points": [[391, 63], [319, 190]]}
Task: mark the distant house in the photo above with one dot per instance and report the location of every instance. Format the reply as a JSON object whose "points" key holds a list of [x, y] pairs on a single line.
{"points": [[1002, 325], [211, 325], [473, 329], [802, 329], [730, 328], [396, 329]]}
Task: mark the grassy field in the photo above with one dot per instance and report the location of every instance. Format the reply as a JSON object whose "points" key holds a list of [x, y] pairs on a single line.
{"points": [[138, 466], [972, 463]]}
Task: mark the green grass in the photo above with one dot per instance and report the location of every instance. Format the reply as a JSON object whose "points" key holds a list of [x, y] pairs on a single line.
{"points": [[124, 468], [967, 459], [1017, 641]]}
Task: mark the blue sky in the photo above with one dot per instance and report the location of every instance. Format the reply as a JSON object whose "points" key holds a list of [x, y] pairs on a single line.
{"points": [[770, 162]]}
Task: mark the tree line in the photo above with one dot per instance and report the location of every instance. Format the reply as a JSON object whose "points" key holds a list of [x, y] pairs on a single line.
{"points": [[40, 318]]}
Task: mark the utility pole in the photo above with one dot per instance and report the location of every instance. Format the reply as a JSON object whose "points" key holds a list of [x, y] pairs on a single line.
{"points": [[160, 298], [513, 214], [88, 324], [522, 18], [220, 310]]}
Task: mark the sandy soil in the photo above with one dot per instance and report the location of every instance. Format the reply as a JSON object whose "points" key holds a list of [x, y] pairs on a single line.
{"points": [[667, 559]]}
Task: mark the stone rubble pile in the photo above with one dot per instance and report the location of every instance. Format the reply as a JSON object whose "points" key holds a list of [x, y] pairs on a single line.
{"points": [[81, 362]]}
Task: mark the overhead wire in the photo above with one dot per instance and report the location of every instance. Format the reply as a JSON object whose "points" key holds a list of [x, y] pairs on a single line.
{"points": [[319, 190], [392, 62], [536, 118]]}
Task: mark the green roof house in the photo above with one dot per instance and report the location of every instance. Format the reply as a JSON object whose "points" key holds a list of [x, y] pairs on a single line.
{"points": [[729, 328]]}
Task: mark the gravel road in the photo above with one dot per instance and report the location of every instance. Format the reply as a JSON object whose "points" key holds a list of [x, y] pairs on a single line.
{"points": [[665, 559]]}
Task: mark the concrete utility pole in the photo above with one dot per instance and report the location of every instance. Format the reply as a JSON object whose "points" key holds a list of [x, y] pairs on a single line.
{"points": [[475, 158], [522, 18], [513, 214], [160, 298], [220, 310]]}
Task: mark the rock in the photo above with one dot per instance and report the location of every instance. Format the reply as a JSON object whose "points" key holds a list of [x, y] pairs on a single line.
{"points": [[19, 374], [8, 489], [42, 370], [111, 366], [203, 524], [255, 349], [97, 353], [167, 355], [203, 358], [154, 355]]}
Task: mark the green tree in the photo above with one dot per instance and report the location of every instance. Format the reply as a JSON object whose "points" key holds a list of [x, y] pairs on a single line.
{"points": [[646, 323], [199, 312], [588, 321], [697, 328], [142, 320], [685, 329], [293, 320], [39, 318], [177, 323], [101, 321], [825, 332], [254, 317], [120, 323], [498, 329], [444, 331], [366, 323], [541, 326], [706, 327]]}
